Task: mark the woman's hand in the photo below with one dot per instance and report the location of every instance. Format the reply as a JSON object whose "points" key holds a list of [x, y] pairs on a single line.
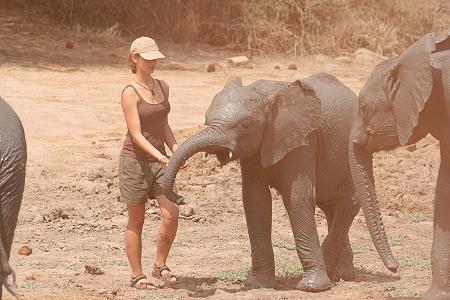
{"points": [[164, 161], [185, 165]]}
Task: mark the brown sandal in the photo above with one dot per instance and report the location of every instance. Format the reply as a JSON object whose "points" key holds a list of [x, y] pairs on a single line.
{"points": [[167, 277], [140, 282]]}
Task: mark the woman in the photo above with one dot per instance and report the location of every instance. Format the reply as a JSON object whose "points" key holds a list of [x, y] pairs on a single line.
{"points": [[143, 160]]}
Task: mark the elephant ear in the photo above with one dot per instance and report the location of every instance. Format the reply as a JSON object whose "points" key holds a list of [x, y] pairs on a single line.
{"points": [[233, 81], [295, 112], [410, 85]]}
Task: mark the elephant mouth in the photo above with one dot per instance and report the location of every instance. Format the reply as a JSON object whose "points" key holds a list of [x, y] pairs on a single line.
{"points": [[224, 155]]}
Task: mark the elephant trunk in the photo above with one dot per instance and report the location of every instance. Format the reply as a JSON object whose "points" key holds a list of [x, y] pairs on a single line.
{"points": [[362, 173], [197, 143]]}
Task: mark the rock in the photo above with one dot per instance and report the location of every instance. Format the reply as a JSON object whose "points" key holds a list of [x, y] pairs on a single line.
{"points": [[93, 270], [55, 214], [276, 67], [238, 61], [25, 250], [411, 148], [102, 291], [343, 59], [292, 66], [187, 211], [211, 68], [31, 277]]}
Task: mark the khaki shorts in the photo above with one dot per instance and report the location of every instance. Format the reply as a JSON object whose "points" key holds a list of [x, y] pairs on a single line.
{"points": [[140, 180]]}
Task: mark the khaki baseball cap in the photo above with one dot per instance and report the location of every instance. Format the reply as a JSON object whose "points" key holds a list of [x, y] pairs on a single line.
{"points": [[146, 48]]}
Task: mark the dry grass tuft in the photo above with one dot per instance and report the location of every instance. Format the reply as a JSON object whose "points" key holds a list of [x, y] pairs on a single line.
{"points": [[297, 27]]}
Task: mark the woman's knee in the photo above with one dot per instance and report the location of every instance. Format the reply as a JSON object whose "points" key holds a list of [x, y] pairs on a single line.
{"points": [[135, 224], [170, 215], [169, 210], [136, 215]]}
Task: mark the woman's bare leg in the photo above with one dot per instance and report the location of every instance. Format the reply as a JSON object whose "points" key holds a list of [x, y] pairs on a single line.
{"points": [[133, 237], [167, 230]]}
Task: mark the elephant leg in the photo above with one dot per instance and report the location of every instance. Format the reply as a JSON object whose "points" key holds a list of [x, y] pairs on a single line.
{"points": [[328, 209], [298, 196], [440, 252], [336, 247], [258, 213], [12, 181]]}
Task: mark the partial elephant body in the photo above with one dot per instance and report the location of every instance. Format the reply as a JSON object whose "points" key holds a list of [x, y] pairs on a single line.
{"points": [[405, 99], [13, 158], [293, 137]]}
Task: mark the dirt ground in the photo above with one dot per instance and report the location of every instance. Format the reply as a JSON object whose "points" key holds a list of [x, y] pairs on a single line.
{"points": [[68, 100]]}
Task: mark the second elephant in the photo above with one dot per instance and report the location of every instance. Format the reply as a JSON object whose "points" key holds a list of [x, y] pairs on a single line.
{"points": [[292, 137], [13, 158]]}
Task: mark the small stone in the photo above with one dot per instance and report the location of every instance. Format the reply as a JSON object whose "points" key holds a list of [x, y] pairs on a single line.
{"points": [[238, 61], [114, 292], [31, 277], [55, 214], [93, 270], [211, 68], [102, 291], [411, 148], [276, 67], [343, 59], [25, 250], [187, 211], [292, 66]]}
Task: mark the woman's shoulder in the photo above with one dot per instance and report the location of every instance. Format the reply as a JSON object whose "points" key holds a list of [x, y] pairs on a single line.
{"points": [[129, 93]]}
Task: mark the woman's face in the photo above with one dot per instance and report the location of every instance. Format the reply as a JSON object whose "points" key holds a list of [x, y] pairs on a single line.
{"points": [[143, 65]]}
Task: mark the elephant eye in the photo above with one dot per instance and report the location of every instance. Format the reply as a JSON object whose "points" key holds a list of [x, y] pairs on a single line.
{"points": [[245, 124]]}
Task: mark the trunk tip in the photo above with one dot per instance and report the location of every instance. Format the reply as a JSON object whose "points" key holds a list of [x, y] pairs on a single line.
{"points": [[393, 265]]}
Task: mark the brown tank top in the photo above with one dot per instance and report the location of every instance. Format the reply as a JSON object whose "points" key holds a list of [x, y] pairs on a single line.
{"points": [[152, 118]]}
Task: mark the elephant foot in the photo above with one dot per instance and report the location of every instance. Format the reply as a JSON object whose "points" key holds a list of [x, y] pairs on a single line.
{"points": [[342, 272], [258, 282], [339, 264], [436, 294], [314, 281]]}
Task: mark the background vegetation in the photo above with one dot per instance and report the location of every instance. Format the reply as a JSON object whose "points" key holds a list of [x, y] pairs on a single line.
{"points": [[298, 27]]}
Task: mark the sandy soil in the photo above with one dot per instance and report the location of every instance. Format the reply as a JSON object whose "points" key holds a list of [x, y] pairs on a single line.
{"points": [[68, 100]]}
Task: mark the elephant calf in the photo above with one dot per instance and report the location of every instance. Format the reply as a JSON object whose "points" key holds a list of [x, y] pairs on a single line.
{"points": [[292, 137], [13, 157]]}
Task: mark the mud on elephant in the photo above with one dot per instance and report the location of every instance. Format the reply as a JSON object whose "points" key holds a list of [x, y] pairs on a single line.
{"points": [[13, 157], [404, 99], [292, 137]]}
